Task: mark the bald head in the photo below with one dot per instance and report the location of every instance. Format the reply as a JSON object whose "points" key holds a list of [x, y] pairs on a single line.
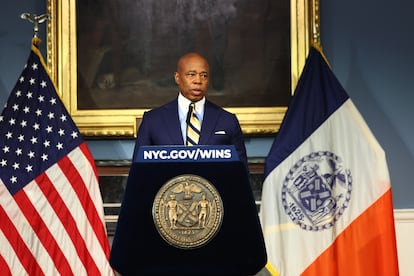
{"points": [[189, 57]]}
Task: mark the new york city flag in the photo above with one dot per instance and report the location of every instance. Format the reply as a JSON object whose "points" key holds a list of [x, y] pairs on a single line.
{"points": [[326, 199]]}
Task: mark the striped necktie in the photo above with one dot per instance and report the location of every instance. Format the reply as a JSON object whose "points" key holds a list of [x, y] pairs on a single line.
{"points": [[193, 126]]}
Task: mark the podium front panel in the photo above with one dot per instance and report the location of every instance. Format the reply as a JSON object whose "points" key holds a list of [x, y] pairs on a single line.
{"points": [[236, 249]]}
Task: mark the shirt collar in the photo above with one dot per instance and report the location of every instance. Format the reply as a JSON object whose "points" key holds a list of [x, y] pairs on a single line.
{"points": [[183, 104]]}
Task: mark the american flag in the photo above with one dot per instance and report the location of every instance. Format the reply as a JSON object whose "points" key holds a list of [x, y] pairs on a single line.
{"points": [[51, 211]]}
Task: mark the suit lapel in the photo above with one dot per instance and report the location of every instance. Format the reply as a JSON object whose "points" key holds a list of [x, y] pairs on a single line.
{"points": [[173, 123], [209, 123]]}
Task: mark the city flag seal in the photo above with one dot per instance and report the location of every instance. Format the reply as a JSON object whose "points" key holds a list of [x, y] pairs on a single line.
{"points": [[317, 190]]}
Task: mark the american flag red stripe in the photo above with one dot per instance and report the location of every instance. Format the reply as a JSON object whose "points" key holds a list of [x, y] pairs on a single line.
{"points": [[47, 188], [79, 188], [25, 259], [84, 191], [5, 269], [51, 211], [68, 222], [44, 235]]}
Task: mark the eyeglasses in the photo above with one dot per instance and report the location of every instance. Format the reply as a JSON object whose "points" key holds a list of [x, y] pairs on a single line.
{"points": [[193, 75]]}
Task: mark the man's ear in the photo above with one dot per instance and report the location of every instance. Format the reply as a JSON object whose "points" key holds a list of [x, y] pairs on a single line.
{"points": [[177, 78]]}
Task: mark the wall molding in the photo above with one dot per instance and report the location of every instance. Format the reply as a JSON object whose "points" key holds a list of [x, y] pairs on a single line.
{"points": [[404, 215], [404, 229]]}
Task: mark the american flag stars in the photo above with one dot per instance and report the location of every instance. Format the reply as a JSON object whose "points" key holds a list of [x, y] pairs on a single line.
{"points": [[37, 131]]}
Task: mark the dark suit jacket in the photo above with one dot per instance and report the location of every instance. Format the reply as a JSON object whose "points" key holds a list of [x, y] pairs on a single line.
{"points": [[161, 126]]}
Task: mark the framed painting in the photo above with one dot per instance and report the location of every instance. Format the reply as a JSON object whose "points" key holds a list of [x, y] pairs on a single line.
{"points": [[113, 60]]}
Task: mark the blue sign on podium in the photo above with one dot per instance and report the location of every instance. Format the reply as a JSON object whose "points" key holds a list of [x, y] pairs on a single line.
{"points": [[222, 153]]}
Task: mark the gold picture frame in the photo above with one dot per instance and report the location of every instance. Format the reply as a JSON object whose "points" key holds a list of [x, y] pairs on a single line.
{"points": [[123, 122]]}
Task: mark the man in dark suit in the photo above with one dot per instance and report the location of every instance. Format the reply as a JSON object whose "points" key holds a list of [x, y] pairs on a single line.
{"points": [[167, 124], [184, 210]]}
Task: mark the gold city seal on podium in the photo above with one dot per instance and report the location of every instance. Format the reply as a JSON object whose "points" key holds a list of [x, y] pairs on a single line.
{"points": [[187, 211]]}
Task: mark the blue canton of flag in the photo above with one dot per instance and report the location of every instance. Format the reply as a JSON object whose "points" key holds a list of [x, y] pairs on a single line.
{"points": [[35, 128]]}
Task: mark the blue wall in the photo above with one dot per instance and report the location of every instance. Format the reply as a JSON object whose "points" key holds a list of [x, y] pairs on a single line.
{"points": [[369, 45]]}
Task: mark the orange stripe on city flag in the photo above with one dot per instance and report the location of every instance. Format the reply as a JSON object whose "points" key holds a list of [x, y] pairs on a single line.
{"points": [[360, 248]]}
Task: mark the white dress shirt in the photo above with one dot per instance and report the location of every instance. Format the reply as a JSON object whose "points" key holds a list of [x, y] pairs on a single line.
{"points": [[183, 104]]}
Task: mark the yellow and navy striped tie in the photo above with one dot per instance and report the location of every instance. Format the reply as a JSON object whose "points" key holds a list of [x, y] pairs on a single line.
{"points": [[193, 126]]}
